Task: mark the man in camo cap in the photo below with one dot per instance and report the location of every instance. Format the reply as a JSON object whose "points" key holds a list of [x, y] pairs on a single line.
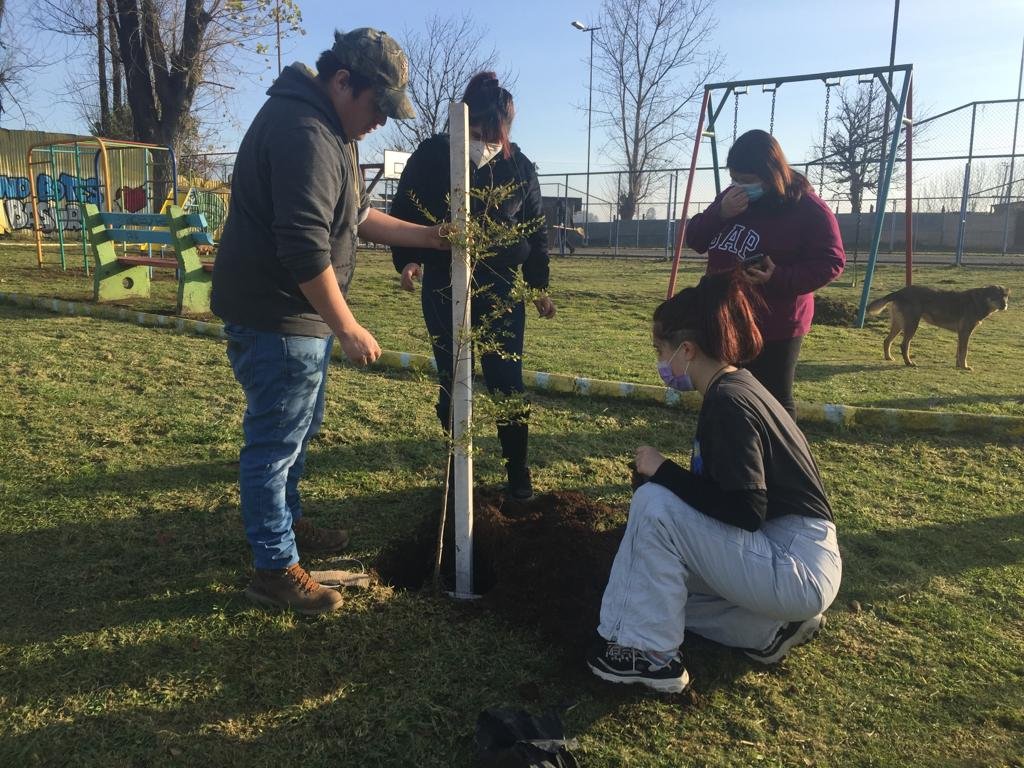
{"points": [[286, 258]]}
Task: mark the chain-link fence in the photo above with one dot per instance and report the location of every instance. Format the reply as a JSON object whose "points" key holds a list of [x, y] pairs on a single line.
{"points": [[967, 191], [967, 202]]}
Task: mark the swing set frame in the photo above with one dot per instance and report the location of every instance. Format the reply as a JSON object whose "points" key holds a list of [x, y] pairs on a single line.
{"points": [[901, 103]]}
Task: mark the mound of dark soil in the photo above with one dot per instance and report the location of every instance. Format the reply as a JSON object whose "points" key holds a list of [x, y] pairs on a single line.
{"points": [[830, 311], [541, 564]]}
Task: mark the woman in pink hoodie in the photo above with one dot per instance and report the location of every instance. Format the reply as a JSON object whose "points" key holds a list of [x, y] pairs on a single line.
{"points": [[786, 241]]}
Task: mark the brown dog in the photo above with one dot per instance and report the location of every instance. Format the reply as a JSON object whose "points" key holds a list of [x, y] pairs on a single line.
{"points": [[960, 311]]}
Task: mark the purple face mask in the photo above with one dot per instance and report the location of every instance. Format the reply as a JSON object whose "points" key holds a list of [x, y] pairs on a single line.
{"points": [[681, 381]]}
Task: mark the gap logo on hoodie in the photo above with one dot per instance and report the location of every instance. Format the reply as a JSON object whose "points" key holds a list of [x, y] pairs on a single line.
{"points": [[739, 239]]}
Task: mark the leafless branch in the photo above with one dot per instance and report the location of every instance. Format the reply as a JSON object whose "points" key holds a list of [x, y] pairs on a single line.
{"points": [[443, 55], [652, 58]]}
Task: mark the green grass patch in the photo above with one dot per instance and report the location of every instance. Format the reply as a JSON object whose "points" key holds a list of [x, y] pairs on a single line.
{"points": [[126, 639], [603, 325]]}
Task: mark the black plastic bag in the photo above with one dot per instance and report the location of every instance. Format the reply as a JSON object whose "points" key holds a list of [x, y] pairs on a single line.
{"points": [[513, 738]]}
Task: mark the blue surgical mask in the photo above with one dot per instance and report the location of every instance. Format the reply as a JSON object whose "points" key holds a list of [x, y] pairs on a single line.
{"points": [[754, 191], [680, 381]]}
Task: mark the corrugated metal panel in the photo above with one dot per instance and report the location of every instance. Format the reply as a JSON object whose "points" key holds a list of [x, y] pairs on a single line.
{"points": [[14, 145], [71, 174]]}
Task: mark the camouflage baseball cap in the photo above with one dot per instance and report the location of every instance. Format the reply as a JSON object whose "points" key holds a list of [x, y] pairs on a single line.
{"points": [[376, 55]]}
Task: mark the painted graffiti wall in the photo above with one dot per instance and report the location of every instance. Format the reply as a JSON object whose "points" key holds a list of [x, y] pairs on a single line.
{"points": [[63, 180]]}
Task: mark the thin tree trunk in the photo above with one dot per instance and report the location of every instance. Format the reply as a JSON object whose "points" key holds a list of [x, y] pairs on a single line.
{"points": [[137, 71], [115, 57], [101, 64]]}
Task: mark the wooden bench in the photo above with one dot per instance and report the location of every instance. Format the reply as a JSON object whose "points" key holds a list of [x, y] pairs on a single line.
{"points": [[128, 275]]}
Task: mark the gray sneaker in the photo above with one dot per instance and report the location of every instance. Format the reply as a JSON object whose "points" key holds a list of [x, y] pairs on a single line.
{"points": [[789, 637]]}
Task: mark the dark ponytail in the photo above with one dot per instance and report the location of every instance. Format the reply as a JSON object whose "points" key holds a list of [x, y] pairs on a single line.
{"points": [[716, 315], [490, 108]]}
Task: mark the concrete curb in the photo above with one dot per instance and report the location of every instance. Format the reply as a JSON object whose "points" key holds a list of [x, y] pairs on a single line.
{"points": [[846, 416]]}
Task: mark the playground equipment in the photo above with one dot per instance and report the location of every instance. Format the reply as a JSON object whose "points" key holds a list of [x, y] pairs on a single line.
{"points": [[135, 186], [903, 105], [128, 276], [210, 198]]}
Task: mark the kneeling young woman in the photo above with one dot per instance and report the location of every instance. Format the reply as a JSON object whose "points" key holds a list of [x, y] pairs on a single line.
{"points": [[741, 547]]}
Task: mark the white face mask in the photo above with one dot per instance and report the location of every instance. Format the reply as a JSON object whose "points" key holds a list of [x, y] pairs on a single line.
{"points": [[481, 153]]}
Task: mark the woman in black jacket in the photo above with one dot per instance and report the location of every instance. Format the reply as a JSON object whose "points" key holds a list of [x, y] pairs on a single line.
{"points": [[426, 180]]}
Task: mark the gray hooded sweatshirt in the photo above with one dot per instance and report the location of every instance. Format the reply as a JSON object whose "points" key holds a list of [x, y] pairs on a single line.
{"points": [[297, 198]]}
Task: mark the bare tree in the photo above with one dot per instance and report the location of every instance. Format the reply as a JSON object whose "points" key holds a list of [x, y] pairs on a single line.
{"points": [[945, 192], [171, 51], [16, 63], [443, 55], [653, 58], [852, 150]]}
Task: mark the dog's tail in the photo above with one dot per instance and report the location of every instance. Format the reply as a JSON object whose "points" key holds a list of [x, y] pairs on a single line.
{"points": [[878, 305]]}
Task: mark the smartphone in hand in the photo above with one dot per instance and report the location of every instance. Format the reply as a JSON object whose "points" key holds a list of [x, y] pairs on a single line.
{"points": [[754, 260]]}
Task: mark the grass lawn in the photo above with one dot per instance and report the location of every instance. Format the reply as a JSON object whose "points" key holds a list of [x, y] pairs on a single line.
{"points": [[126, 640], [602, 328]]}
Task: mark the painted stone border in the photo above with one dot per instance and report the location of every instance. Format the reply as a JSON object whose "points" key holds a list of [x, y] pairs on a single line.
{"points": [[846, 416]]}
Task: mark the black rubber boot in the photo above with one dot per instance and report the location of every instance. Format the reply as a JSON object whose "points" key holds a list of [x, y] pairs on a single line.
{"points": [[514, 440]]}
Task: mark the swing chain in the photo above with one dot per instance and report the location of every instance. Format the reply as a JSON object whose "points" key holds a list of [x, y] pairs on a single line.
{"points": [[871, 104], [824, 136], [735, 113], [771, 120]]}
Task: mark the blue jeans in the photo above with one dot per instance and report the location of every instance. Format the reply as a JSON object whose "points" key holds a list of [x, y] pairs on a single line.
{"points": [[283, 378]]}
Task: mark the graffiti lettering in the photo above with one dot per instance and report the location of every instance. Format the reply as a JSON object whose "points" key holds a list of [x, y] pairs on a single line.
{"points": [[67, 187], [19, 214], [13, 187], [60, 200]]}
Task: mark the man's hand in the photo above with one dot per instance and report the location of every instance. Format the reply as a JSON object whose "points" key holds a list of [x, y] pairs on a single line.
{"points": [[410, 274], [437, 237], [359, 345], [734, 202], [545, 306], [648, 460], [761, 273]]}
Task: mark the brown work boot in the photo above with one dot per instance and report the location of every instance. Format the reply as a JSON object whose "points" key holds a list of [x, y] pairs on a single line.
{"points": [[318, 541], [293, 588]]}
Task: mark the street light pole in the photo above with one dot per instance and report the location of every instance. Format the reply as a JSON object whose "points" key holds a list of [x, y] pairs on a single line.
{"points": [[590, 103]]}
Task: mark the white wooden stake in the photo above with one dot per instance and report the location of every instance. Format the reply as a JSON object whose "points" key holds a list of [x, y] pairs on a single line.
{"points": [[462, 381]]}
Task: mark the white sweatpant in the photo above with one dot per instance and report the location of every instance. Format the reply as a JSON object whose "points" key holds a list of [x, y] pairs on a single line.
{"points": [[679, 569]]}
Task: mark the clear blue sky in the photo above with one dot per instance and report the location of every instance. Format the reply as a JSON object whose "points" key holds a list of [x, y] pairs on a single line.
{"points": [[961, 51]]}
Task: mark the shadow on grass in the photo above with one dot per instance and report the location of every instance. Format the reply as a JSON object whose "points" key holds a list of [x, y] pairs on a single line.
{"points": [[385, 683], [147, 623], [137, 629], [884, 564]]}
